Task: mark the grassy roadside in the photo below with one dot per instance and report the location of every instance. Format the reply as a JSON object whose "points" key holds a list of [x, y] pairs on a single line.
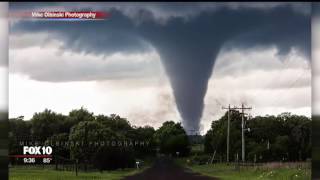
{"points": [[33, 173], [228, 172]]}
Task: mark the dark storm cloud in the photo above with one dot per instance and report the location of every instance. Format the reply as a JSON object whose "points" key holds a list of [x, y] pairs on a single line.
{"points": [[113, 35], [3, 34], [254, 27], [173, 8], [189, 46], [315, 25], [316, 9]]}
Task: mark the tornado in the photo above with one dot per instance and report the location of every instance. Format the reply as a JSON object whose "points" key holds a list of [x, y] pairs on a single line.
{"points": [[189, 69], [187, 45], [189, 49], [188, 52]]}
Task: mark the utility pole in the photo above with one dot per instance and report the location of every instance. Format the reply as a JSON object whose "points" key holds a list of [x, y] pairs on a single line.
{"points": [[242, 132], [228, 132], [242, 108]]}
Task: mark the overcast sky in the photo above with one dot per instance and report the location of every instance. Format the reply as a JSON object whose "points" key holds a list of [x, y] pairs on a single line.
{"points": [[114, 70], [315, 58], [3, 56]]}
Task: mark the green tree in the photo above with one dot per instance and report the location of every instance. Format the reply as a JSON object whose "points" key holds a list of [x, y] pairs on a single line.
{"points": [[79, 115], [216, 137], [172, 138], [102, 156], [45, 124], [61, 150], [19, 130], [272, 138], [85, 133]]}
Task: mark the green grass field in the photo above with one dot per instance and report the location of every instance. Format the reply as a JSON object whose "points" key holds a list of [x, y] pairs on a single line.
{"points": [[228, 172], [32, 173]]}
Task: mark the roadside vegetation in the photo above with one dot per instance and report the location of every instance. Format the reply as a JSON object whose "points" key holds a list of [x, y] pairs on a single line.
{"points": [[38, 173], [298, 171], [274, 145], [107, 144]]}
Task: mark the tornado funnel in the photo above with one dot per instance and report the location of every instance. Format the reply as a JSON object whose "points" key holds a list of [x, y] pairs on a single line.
{"points": [[188, 57], [189, 70]]}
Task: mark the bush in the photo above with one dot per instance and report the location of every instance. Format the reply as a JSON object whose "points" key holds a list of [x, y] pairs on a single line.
{"points": [[200, 159]]}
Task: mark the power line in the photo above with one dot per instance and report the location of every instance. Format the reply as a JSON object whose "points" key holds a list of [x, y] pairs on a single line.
{"points": [[242, 108]]}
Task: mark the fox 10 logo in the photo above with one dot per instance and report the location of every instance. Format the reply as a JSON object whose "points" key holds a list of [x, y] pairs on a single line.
{"points": [[30, 154]]}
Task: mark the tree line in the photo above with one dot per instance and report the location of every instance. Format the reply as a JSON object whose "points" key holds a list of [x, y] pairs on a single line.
{"points": [[285, 137], [127, 142]]}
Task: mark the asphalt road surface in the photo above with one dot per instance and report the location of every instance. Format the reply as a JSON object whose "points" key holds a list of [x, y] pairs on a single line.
{"points": [[166, 169]]}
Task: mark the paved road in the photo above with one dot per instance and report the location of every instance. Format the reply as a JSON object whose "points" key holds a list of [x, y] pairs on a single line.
{"points": [[165, 169]]}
